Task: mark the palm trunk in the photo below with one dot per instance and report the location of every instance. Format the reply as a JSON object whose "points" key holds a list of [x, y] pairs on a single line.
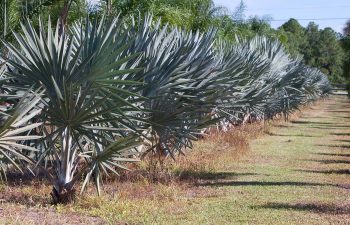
{"points": [[5, 18], [109, 7], [64, 15], [63, 191]]}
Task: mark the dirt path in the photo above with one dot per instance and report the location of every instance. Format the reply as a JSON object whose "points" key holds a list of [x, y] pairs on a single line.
{"points": [[298, 173]]}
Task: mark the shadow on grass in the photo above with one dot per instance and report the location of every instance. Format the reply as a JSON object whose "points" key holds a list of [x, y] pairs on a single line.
{"points": [[338, 111], [340, 172], [335, 146], [331, 161], [311, 207], [340, 134], [310, 122], [343, 140], [34, 187], [343, 117], [15, 179], [289, 135], [194, 175], [312, 117], [340, 126], [264, 183], [283, 126], [334, 154], [329, 127], [34, 198]]}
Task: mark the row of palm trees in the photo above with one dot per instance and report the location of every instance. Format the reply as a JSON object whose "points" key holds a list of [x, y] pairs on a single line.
{"points": [[85, 101]]}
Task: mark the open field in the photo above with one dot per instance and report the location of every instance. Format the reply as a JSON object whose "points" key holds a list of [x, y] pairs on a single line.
{"points": [[295, 172]]}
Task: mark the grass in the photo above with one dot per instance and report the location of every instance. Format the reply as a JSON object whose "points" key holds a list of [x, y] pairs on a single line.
{"points": [[293, 172]]}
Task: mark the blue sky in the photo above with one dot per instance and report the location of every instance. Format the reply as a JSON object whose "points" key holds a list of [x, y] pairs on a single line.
{"points": [[298, 9]]}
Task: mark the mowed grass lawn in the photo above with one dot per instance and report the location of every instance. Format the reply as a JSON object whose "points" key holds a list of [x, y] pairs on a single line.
{"points": [[298, 172]]}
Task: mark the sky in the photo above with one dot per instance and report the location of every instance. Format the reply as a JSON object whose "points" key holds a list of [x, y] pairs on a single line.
{"points": [[325, 13]]}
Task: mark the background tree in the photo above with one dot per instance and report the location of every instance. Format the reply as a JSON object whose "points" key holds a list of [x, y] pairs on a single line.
{"points": [[194, 15], [345, 41], [323, 50], [295, 36], [346, 29], [320, 48], [15, 11], [331, 54]]}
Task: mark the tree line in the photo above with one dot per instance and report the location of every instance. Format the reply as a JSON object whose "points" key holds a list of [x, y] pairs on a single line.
{"points": [[321, 48]]}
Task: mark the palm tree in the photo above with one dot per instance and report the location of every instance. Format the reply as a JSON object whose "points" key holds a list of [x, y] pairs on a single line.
{"points": [[179, 68], [87, 110], [15, 131]]}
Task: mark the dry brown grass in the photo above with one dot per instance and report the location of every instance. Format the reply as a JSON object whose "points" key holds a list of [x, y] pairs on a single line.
{"points": [[149, 179], [197, 163]]}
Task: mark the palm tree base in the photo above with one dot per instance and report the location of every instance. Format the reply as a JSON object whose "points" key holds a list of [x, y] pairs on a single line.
{"points": [[64, 196]]}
